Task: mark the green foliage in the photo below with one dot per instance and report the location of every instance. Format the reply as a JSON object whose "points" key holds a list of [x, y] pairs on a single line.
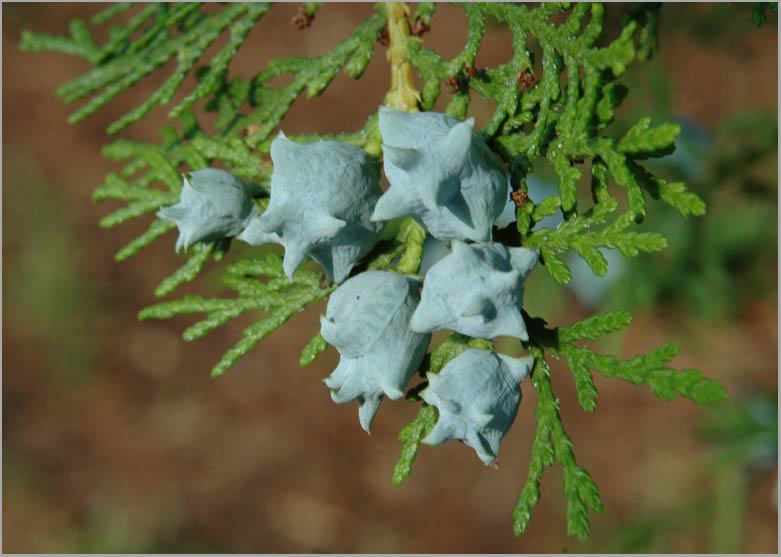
{"points": [[122, 62], [412, 236], [576, 234], [648, 369], [278, 296], [759, 12], [411, 437], [454, 345], [551, 443], [312, 350], [717, 266], [555, 99], [595, 326]]}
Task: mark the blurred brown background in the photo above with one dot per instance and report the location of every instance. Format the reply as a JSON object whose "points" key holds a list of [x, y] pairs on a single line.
{"points": [[116, 439]]}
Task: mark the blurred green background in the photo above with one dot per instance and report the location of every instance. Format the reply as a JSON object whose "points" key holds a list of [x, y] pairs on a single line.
{"points": [[115, 439]]}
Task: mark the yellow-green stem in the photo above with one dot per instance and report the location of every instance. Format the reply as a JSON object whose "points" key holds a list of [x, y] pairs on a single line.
{"points": [[402, 95]]}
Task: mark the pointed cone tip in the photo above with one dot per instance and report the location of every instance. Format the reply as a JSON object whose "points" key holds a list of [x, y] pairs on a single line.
{"points": [[519, 367], [430, 195], [294, 256], [449, 405], [456, 144], [366, 412], [418, 323], [329, 226], [386, 207], [393, 393], [401, 157], [483, 419]]}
